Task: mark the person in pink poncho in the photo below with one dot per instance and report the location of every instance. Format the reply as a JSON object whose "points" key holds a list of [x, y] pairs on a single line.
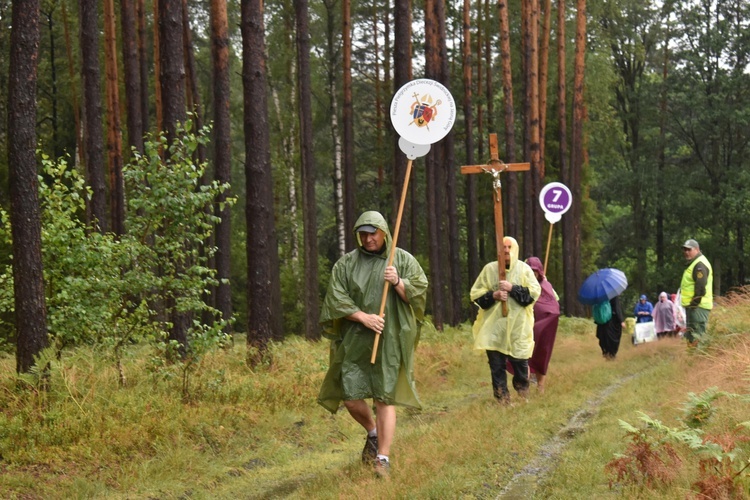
{"points": [[546, 315], [665, 316]]}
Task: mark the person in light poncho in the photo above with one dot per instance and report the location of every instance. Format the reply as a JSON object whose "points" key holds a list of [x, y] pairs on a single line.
{"points": [[511, 338], [349, 317]]}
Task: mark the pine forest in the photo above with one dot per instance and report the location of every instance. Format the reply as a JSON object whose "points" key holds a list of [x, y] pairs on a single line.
{"points": [[178, 172]]}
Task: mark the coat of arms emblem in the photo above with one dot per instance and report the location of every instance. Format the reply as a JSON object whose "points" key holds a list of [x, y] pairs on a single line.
{"points": [[423, 111]]}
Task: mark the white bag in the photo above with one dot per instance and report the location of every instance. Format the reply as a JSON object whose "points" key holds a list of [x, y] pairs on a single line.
{"points": [[680, 316], [644, 332]]}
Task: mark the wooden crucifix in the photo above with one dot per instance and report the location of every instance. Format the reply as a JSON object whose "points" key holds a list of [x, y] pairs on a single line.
{"points": [[495, 167]]}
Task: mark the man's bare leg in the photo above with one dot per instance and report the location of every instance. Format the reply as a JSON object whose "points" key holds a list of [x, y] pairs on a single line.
{"points": [[386, 423], [361, 412]]}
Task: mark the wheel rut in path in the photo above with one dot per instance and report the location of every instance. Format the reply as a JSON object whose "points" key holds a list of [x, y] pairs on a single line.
{"points": [[525, 482]]}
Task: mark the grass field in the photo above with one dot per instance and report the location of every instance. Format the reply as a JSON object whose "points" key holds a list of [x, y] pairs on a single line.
{"points": [[246, 433]]}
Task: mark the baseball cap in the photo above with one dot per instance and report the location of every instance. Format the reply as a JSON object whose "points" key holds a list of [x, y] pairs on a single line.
{"points": [[367, 228], [643, 297], [691, 243]]}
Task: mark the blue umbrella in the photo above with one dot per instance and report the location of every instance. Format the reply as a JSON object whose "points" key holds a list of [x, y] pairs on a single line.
{"points": [[604, 284]]}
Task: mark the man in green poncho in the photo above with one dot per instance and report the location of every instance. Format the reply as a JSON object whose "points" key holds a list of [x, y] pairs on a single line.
{"points": [[506, 339], [349, 317]]}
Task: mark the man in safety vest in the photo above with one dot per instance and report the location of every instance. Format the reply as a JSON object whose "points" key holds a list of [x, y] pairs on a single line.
{"points": [[697, 291]]}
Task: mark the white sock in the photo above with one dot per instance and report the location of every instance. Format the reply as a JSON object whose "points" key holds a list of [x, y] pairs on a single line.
{"points": [[383, 457], [373, 432]]}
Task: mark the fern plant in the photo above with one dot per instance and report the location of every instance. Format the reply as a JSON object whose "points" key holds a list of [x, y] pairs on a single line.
{"points": [[651, 457]]}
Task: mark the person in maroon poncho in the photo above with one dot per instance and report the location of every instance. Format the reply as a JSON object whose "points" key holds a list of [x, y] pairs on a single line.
{"points": [[546, 314]]}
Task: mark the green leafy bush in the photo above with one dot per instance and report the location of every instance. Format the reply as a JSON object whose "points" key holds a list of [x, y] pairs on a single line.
{"points": [[105, 289]]}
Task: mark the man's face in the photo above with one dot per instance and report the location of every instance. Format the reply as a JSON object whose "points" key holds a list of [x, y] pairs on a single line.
{"points": [[689, 253], [372, 242]]}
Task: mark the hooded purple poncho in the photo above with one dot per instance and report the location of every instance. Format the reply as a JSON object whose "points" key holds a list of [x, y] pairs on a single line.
{"points": [[546, 314]]}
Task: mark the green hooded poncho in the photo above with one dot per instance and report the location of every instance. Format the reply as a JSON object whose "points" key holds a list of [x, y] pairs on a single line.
{"points": [[512, 335], [357, 285]]}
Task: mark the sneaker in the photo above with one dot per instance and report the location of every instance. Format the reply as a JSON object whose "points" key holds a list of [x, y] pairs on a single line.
{"points": [[370, 451], [382, 467]]}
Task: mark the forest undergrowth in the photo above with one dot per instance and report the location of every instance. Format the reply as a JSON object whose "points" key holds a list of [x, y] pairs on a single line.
{"points": [[658, 422]]}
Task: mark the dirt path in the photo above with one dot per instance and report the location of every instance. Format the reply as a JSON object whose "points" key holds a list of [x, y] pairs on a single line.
{"points": [[525, 482]]}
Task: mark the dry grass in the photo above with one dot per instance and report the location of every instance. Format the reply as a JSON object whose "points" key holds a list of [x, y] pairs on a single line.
{"points": [[259, 433]]}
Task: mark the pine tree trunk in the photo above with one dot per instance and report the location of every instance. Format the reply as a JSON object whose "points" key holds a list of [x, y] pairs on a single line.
{"points": [[193, 94], [28, 278], [543, 78], [92, 97], [527, 237], [511, 179], [433, 211], [350, 176], [578, 156], [172, 85], [451, 254], [114, 130], [531, 204], [74, 93], [157, 69], [312, 300], [143, 62], [401, 76], [570, 291], [53, 82], [222, 153], [470, 180], [263, 285], [131, 66]]}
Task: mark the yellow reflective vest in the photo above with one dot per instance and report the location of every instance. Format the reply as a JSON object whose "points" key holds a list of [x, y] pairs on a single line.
{"points": [[688, 284]]}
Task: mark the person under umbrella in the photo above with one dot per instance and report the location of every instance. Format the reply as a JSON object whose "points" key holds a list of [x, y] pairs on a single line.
{"points": [[610, 332]]}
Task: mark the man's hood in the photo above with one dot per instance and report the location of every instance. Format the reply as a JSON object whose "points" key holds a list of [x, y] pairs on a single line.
{"points": [[513, 250], [373, 218]]}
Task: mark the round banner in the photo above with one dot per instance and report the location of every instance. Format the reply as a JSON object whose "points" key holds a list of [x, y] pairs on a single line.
{"points": [[423, 111], [555, 199], [411, 150]]}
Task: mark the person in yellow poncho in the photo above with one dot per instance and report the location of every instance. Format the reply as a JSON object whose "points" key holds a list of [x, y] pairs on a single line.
{"points": [[349, 317], [506, 339]]}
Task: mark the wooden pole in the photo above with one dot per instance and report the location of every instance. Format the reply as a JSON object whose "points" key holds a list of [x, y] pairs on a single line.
{"points": [[499, 240], [546, 255], [392, 254]]}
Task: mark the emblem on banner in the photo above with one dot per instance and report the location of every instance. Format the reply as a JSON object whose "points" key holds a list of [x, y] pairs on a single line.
{"points": [[422, 110]]}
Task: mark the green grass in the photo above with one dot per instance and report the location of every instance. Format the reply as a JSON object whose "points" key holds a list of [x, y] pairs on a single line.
{"points": [[260, 434]]}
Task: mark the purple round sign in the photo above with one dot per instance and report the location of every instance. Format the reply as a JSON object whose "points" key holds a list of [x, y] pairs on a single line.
{"points": [[555, 198]]}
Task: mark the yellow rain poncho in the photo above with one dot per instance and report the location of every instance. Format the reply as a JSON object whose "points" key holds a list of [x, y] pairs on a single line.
{"points": [[512, 335], [357, 285]]}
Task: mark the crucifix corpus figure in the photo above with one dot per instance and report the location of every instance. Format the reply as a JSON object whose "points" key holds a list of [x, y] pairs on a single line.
{"points": [[495, 167]]}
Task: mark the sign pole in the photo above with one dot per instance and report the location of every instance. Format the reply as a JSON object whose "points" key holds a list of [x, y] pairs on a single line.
{"points": [[555, 199], [419, 123], [546, 254], [392, 254]]}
